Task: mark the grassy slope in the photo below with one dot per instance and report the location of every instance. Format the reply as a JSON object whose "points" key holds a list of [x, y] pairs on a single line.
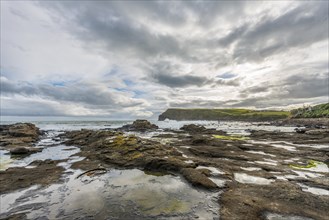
{"points": [[318, 111], [222, 114]]}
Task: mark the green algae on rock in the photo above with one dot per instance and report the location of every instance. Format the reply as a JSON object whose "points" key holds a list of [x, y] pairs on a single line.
{"points": [[312, 165], [233, 138]]}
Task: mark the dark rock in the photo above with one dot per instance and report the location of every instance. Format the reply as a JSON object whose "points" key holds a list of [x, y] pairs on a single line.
{"points": [[166, 164], [199, 129], [20, 150], [193, 128], [327, 162], [300, 130], [19, 177], [18, 135], [318, 132], [199, 140], [198, 178], [140, 125]]}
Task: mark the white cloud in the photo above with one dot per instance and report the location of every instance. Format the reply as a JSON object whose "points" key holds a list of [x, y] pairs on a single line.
{"points": [[99, 58]]}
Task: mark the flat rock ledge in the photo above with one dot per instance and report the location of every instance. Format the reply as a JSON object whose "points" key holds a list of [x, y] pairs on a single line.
{"points": [[19, 135]]}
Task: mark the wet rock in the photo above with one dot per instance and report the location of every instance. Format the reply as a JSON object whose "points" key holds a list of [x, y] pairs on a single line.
{"points": [[246, 201], [304, 122], [19, 150], [199, 129], [200, 140], [169, 164], [18, 216], [124, 151], [309, 137], [24, 150], [318, 132], [140, 125], [45, 173], [326, 162], [300, 130], [20, 134], [193, 128], [269, 159], [198, 178]]}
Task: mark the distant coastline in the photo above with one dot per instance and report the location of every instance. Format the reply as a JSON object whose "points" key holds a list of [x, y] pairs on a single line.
{"points": [[237, 114]]}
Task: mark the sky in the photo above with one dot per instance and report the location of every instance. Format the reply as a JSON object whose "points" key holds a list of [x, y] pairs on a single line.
{"points": [[135, 59]]}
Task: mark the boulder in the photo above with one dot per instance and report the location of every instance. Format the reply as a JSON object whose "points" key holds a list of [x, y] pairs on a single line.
{"points": [[192, 128], [19, 135], [199, 129], [19, 150], [169, 164], [318, 132], [300, 130], [198, 178], [140, 125], [24, 150]]}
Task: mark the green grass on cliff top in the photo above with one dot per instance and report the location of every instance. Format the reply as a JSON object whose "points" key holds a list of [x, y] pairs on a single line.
{"points": [[237, 112]]}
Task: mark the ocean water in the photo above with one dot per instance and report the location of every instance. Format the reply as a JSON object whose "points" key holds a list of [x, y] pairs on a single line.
{"points": [[77, 123]]}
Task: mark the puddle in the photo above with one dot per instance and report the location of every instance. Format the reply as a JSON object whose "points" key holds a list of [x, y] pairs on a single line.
{"points": [[214, 170], [59, 152], [187, 147], [5, 160], [291, 160], [251, 168], [50, 139], [276, 216], [289, 148], [260, 152], [317, 146], [118, 194], [314, 190], [278, 144], [316, 167], [272, 163], [306, 175], [248, 179], [183, 155]]}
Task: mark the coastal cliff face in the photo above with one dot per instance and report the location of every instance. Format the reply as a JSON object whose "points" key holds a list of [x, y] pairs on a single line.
{"points": [[222, 114]]}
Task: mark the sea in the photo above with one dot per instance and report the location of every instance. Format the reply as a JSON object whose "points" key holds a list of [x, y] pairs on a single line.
{"points": [[66, 123]]}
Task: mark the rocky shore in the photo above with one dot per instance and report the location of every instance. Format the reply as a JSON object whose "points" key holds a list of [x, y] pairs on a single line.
{"points": [[19, 138], [264, 174]]}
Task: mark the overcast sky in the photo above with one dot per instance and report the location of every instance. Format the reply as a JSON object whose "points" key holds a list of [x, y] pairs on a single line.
{"points": [[135, 59]]}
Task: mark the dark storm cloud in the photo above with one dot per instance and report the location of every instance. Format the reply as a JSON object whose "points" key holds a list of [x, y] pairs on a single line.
{"points": [[293, 89], [255, 89], [118, 27], [86, 93], [179, 81], [168, 74], [201, 103], [299, 27], [115, 26], [309, 86], [121, 27]]}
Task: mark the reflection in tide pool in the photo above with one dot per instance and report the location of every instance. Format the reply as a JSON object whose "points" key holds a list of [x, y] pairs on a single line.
{"points": [[118, 194], [60, 152]]}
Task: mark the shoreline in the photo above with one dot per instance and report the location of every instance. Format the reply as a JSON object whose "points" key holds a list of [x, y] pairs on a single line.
{"points": [[246, 170]]}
